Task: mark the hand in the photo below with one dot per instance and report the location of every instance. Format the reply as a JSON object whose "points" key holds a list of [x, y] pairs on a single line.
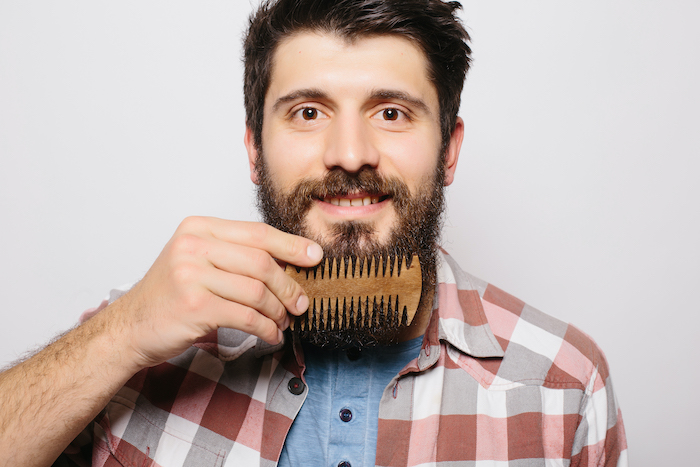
{"points": [[213, 273]]}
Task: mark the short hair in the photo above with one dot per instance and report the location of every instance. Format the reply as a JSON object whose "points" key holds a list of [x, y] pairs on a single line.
{"points": [[430, 24]]}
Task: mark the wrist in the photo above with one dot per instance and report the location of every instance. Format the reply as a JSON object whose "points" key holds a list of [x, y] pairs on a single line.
{"points": [[108, 339]]}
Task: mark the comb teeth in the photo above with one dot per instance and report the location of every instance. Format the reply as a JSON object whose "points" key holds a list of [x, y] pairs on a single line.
{"points": [[355, 293]]}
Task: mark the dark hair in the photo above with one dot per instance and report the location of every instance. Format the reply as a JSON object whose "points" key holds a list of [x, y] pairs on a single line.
{"points": [[430, 24]]}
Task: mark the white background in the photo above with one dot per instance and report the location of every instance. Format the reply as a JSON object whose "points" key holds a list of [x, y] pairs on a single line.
{"points": [[576, 189]]}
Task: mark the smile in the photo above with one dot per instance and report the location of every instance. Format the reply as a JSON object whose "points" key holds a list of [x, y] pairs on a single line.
{"points": [[363, 201]]}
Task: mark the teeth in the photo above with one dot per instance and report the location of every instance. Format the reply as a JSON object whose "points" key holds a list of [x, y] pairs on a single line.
{"points": [[366, 201]]}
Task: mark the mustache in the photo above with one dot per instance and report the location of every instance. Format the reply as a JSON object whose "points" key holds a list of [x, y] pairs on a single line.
{"points": [[338, 183]]}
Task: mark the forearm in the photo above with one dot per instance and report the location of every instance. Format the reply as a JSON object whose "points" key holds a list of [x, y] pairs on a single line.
{"points": [[48, 399]]}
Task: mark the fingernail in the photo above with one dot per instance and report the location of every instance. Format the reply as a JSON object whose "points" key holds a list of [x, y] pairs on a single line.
{"points": [[280, 336], [314, 252], [303, 303]]}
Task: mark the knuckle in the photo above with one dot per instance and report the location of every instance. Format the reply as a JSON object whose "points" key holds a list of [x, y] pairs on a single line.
{"points": [[249, 317], [271, 332], [262, 263], [294, 246], [289, 291], [280, 312], [258, 293], [251, 321], [191, 224], [185, 244], [276, 311], [184, 274], [193, 301]]}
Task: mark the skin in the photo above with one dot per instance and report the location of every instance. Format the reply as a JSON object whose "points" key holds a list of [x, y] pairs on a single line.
{"points": [[219, 273]]}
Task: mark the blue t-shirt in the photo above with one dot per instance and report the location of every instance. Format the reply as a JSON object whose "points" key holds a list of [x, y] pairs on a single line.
{"points": [[338, 421]]}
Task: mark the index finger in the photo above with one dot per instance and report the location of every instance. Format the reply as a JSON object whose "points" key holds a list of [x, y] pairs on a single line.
{"points": [[283, 246]]}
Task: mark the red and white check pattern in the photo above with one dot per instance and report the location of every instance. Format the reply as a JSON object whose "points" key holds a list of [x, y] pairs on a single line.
{"points": [[497, 383]]}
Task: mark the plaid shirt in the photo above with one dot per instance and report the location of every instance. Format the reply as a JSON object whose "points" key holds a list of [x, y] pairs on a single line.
{"points": [[497, 383]]}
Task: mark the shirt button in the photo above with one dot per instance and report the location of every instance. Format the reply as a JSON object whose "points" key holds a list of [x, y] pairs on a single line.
{"points": [[296, 386], [344, 464], [346, 415]]}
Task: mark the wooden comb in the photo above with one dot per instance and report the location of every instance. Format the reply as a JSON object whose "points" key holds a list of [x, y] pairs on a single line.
{"points": [[359, 292]]}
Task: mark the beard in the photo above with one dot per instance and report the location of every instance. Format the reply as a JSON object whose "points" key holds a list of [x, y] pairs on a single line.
{"points": [[416, 231]]}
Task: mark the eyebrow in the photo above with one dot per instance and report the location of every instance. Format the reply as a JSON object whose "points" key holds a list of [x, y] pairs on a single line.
{"points": [[310, 93], [379, 94], [420, 104]]}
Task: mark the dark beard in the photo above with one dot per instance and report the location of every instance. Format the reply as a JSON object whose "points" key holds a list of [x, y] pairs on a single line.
{"points": [[417, 231]]}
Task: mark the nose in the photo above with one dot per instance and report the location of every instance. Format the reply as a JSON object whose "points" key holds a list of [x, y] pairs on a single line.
{"points": [[350, 146]]}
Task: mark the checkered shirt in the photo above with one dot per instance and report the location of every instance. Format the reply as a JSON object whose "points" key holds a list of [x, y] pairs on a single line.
{"points": [[497, 383]]}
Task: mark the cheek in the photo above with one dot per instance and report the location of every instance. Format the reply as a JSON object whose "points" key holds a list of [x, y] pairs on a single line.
{"points": [[413, 159], [291, 157]]}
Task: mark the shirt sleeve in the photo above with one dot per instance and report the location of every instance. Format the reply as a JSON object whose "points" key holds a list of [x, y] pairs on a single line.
{"points": [[600, 438], [79, 452]]}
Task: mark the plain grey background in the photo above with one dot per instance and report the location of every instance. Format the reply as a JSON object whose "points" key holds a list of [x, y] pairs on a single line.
{"points": [[576, 188]]}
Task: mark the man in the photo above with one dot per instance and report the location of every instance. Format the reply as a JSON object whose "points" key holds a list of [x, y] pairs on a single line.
{"points": [[352, 133]]}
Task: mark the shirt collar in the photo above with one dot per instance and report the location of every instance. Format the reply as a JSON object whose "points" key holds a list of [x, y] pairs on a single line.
{"points": [[458, 316]]}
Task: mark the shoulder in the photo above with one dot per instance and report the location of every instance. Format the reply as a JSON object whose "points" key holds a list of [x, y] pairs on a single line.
{"points": [[539, 349]]}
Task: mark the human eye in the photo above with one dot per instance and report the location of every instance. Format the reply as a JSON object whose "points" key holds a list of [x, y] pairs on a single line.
{"points": [[392, 114], [307, 114]]}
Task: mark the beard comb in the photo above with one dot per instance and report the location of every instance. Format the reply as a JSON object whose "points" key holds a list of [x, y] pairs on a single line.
{"points": [[356, 293]]}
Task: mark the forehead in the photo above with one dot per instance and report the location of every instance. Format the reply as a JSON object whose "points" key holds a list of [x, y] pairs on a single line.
{"points": [[338, 66]]}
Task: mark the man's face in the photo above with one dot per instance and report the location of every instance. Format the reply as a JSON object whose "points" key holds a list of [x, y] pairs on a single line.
{"points": [[351, 145]]}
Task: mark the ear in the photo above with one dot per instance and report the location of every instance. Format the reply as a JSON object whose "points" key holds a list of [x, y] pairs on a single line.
{"points": [[452, 152], [248, 140]]}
